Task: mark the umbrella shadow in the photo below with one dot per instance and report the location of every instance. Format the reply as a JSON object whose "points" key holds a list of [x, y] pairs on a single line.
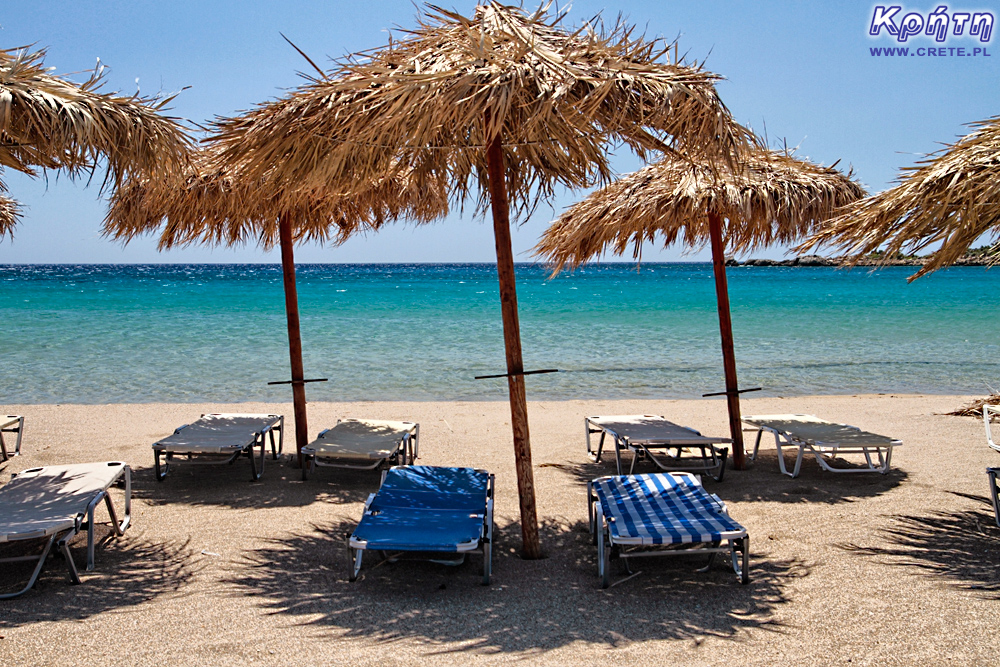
{"points": [[962, 547], [764, 481], [128, 572], [531, 606], [229, 486]]}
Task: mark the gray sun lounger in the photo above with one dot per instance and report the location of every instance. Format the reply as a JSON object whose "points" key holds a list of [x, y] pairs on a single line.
{"points": [[363, 444], [826, 440], [989, 411], [221, 438], [641, 434], [10, 424], [55, 503]]}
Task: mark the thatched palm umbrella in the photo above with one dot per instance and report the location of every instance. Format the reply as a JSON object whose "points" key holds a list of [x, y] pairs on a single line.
{"points": [[507, 107], [217, 203], [773, 198], [951, 197], [49, 122]]}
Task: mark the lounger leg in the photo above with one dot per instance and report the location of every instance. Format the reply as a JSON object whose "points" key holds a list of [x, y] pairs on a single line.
{"points": [[90, 533], [723, 456], [994, 492], [74, 576], [798, 460], [356, 555], [603, 552], [3, 448], [274, 449], [35, 573], [488, 544], [741, 562], [711, 559], [756, 445], [255, 470], [161, 471]]}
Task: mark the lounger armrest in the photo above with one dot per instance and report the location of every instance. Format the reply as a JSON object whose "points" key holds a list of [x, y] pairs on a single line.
{"points": [[368, 503], [180, 428], [323, 432]]}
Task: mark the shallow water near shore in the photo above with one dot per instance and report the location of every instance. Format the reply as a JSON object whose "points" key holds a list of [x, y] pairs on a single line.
{"points": [[183, 333]]}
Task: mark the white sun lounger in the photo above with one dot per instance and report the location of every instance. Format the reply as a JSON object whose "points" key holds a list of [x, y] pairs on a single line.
{"points": [[10, 424], [826, 440], [221, 438], [988, 412], [641, 434], [634, 516], [54, 503], [363, 444]]}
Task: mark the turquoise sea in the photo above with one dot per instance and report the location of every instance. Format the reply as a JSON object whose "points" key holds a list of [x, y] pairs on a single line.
{"points": [[186, 333]]}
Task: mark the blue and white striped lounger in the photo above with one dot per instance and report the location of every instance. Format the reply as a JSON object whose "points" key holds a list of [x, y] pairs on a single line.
{"points": [[631, 513], [428, 509], [221, 438]]}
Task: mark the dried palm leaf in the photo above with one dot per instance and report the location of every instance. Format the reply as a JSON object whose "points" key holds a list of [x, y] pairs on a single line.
{"points": [[49, 122], [772, 198], [428, 104], [952, 197], [216, 204], [9, 213]]}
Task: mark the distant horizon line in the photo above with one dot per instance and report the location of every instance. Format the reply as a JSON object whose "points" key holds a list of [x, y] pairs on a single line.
{"points": [[622, 262]]}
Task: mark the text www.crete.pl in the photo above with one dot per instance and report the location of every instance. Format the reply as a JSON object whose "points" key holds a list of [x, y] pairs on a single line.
{"points": [[930, 51]]}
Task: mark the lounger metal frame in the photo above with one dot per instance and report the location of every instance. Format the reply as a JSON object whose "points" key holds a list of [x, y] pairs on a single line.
{"points": [[823, 451], [83, 520], [991, 473], [7, 425], [713, 458], [406, 453], [482, 546], [211, 458], [735, 544]]}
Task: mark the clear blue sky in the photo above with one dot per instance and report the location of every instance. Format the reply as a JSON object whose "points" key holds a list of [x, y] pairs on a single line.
{"points": [[803, 70]]}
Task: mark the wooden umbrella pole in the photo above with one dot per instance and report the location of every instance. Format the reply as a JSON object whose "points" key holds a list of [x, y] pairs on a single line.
{"points": [[728, 350], [512, 344], [294, 335]]}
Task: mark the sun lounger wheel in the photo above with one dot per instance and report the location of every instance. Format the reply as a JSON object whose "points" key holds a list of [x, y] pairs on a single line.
{"points": [[257, 469], [740, 550], [603, 555], [161, 469], [356, 555]]}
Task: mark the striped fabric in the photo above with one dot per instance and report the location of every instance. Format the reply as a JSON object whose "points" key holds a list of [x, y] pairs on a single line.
{"points": [[670, 508]]}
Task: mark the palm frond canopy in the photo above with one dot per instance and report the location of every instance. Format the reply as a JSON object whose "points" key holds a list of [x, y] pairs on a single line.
{"points": [[772, 198], [49, 122], [9, 212], [217, 204], [952, 197], [430, 103]]}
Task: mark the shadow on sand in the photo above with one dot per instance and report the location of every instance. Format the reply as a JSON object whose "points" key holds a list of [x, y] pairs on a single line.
{"points": [[532, 606], [962, 547], [128, 572], [281, 485]]}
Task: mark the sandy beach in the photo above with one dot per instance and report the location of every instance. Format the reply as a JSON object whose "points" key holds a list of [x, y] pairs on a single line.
{"points": [[866, 569]]}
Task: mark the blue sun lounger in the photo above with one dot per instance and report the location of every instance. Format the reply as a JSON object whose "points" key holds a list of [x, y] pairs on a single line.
{"points": [[661, 514], [428, 510]]}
